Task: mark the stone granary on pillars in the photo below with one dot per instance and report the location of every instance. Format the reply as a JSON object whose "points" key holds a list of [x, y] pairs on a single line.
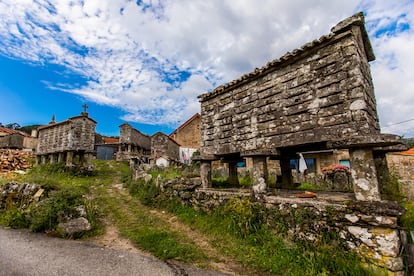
{"points": [[133, 144], [317, 97], [71, 141]]}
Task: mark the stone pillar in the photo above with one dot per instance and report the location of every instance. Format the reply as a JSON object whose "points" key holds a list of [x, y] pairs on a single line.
{"points": [[81, 158], [129, 148], [364, 175], [69, 158], [52, 159], [287, 179], [43, 159], [233, 177], [89, 157], [260, 174], [205, 173], [60, 157]]}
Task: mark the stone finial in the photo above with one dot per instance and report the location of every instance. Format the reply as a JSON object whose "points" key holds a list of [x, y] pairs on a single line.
{"points": [[53, 121]]}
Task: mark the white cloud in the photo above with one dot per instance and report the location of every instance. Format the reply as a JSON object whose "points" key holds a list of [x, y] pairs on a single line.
{"points": [[133, 57]]}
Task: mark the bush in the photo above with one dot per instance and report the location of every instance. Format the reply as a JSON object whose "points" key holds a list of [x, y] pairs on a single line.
{"points": [[14, 218], [59, 207]]}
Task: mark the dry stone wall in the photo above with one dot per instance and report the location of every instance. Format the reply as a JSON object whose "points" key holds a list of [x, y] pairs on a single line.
{"points": [[369, 228], [320, 92]]}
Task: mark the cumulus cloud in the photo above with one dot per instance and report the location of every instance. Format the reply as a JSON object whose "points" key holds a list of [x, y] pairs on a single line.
{"points": [[391, 28], [153, 58]]}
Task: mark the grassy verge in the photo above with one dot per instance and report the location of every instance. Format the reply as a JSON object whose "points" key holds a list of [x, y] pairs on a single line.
{"points": [[236, 233], [240, 232], [148, 232]]}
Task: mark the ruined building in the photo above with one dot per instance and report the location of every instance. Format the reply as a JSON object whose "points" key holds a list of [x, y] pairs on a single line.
{"points": [[71, 141], [318, 97]]}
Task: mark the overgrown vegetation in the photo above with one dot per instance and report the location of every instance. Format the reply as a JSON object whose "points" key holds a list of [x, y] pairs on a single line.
{"points": [[239, 231], [64, 192], [391, 186]]}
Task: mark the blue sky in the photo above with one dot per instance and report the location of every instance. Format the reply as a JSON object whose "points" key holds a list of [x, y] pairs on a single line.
{"points": [[145, 62]]}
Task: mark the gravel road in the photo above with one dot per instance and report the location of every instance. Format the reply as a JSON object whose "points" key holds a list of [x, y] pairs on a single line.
{"points": [[26, 253]]}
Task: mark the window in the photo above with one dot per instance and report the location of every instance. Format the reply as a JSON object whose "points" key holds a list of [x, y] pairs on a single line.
{"points": [[345, 162], [310, 163]]}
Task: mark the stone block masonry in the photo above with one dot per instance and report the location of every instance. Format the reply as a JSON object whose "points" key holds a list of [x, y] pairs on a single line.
{"points": [[132, 144], [314, 98], [71, 141]]}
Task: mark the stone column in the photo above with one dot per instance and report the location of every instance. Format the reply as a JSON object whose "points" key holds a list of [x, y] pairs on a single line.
{"points": [[205, 173], [287, 179], [364, 175], [233, 177], [43, 159], [69, 159], [52, 158], [89, 157], [60, 157], [260, 174]]}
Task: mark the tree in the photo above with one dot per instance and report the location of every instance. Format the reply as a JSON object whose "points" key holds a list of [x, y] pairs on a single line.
{"points": [[12, 126]]}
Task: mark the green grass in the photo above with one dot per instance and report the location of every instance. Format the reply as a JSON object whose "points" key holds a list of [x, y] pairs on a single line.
{"points": [[148, 232], [407, 220], [238, 231]]}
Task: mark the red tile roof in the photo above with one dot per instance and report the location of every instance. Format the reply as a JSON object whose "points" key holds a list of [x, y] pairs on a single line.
{"points": [[110, 140], [406, 152], [195, 116], [13, 131]]}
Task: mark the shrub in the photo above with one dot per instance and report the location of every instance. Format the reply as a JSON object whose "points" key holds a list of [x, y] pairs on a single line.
{"points": [[53, 210], [14, 218]]}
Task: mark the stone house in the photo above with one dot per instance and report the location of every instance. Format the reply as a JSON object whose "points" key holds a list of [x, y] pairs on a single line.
{"points": [[319, 97], [71, 141], [132, 144], [188, 135], [164, 150]]}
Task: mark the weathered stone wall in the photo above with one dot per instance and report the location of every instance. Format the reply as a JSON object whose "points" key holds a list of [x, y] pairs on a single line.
{"points": [[189, 135], [163, 146], [74, 134], [132, 143], [369, 228], [320, 92], [403, 166], [130, 135], [12, 141]]}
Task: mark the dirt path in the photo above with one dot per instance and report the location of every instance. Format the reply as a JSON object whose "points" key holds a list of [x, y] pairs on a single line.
{"points": [[113, 239]]}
